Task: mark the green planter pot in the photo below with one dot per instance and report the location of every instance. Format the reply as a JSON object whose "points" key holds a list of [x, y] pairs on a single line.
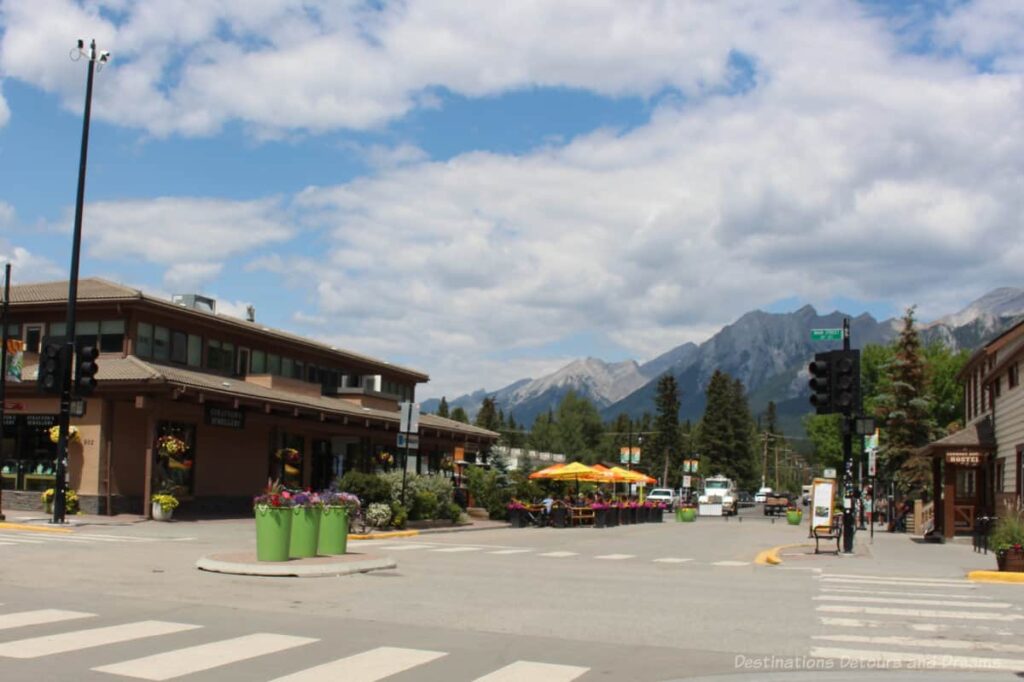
{"points": [[305, 532], [273, 533], [333, 531], [794, 517], [687, 515]]}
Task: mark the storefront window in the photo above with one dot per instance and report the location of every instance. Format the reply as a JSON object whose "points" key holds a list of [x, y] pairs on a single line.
{"points": [[966, 483], [174, 451], [30, 460], [286, 459]]}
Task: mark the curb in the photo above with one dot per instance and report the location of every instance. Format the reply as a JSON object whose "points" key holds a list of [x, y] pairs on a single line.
{"points": [[770, 557], [33, 528], [288, 569], [385, 536], [995, 577]]}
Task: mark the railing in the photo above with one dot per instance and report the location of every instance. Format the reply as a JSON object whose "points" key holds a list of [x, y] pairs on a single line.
{"points": [[923, 519], [982, 527]]}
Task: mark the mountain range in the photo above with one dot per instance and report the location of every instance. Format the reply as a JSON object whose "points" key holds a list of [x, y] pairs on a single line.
{"points": [[769, 352]]}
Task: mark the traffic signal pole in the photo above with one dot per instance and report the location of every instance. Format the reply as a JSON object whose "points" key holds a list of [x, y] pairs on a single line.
{"points": [[847, 428], [60, 484]]}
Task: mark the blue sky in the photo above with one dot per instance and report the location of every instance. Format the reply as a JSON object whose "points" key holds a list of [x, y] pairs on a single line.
{"points": [[488, 194]]}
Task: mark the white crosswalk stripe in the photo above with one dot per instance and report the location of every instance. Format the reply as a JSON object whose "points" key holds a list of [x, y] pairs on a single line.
{"points": [[917, 602], [404, 548], [730, 563], [530, 671], [86, 639], [195, 659], [368, 666], [511, 551], [559, 555], [36, 538], [39, 617], [908, 621], [671, 560], [615, 557], [454, 550]]}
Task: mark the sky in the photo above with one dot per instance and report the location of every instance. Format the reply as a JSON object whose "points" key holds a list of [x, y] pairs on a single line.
{"points": [[486, 191]]}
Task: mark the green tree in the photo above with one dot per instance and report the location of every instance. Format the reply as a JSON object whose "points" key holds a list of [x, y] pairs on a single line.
{"points": [[716, 427], [743, 437], [459, 415], [945, 393], [578, 428], [825, 432], [487, 417], [442, 408], [904, 411], [542, 434], [665, 441]]}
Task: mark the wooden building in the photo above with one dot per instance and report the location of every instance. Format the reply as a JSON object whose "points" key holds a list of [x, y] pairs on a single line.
{"points": [[247, 402]]}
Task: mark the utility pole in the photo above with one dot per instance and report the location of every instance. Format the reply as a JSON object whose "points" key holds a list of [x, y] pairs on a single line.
{"points": [[847, 417], [60, 484], [764, 458], [3, 371]]}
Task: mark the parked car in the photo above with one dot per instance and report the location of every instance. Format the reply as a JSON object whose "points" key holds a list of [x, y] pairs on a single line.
{"points": [[746, 499], [762, 494], [664, 495]]}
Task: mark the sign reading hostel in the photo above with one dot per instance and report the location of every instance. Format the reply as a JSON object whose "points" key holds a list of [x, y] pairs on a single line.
{"points": [[826, 335], [222, 416], [964, 459]]}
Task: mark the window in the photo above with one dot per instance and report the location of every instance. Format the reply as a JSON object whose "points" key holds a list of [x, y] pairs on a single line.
{"points": [[57, 328], [274, 364], [259, 362], [966, 483], [179, 347], [287, 367], [33, 338], [312, 376], [220, 355], [144, 340], [997, 386], [1013, 376], [300, 370], [161, 343], [286, 459], [195, 350], [175, 467], [112, 336]]}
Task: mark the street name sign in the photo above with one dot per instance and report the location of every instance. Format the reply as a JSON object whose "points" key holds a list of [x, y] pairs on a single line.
{"points": [[826, 335]]}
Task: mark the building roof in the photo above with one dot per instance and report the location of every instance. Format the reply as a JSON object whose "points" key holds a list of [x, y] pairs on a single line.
{"points": [[979, 436], [97, 290], [1007, 356], [132, 370]]}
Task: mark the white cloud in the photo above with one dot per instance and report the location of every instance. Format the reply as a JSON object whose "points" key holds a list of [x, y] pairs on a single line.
{"points": [[28, 267], [190, 236], [6, 215], [5, 111]]}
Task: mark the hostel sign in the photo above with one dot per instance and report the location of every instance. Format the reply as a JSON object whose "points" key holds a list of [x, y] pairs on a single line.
{"points": [[964, 459]]}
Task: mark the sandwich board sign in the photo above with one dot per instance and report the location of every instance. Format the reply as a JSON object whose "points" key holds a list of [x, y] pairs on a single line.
{"points": [[822, 495]]}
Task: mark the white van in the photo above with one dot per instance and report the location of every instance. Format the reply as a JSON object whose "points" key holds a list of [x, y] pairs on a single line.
{"points": [[664, 495]]}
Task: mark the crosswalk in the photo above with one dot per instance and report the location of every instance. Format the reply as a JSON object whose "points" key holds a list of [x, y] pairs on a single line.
{"points": [[219, 654], [492, 550], [915, 623], [14, 539]]}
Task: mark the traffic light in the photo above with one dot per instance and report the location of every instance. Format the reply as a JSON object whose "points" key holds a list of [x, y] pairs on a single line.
{"points": [[821, 382], [85, 370], [846, 381], [53, 365]]}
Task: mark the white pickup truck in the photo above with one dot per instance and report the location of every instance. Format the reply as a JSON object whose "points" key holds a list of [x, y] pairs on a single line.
{"points": [[719, 497]]}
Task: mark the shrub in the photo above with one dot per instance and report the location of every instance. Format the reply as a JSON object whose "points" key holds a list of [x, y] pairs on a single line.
{"points": [[451, 511], [378, 514], [440, 486], [486, 490], [369, 488], [399, 514], [1007, 533], [424, 506]]}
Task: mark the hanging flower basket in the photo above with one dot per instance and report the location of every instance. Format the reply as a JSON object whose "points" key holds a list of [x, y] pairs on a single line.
{"points": [[73, 435]]}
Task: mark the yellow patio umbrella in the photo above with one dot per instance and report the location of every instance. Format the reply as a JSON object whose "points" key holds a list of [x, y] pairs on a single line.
{"points": [[547, 471], [577, 471]]}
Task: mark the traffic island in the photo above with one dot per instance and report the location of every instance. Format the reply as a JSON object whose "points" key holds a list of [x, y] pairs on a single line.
{"points": [[245, 563]]}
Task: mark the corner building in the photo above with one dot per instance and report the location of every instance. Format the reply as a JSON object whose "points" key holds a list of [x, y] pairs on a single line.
{"points": [[247, 402]]}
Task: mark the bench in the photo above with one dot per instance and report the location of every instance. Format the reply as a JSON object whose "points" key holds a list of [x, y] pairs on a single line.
{"points": [[831, 532], [582, 515]]}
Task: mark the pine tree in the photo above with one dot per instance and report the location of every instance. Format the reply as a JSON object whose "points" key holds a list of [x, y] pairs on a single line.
{"points": [[716, 431], [487, 417], [743, 437], [665, 443], [578, 427], [459, 415], [442, 408], [904, 411], [542, 434]]}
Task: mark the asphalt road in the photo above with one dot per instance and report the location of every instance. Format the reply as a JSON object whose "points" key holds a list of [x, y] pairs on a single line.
{"points": [[646, 602]]}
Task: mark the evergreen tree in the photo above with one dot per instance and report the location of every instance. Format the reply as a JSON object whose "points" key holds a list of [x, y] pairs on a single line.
{"points": [[904, 412], [945, 393], [578, 428], [743, 438], [487, 417], [515, 439], [665, 442], [542, 434], [716, 445], [459, 415], [442, 408]]}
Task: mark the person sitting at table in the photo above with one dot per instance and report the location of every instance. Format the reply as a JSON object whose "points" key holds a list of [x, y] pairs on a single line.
{"points": [[547, 502]]}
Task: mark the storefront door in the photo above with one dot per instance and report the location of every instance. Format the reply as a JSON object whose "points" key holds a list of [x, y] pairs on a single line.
{"points": [[323, 465]]}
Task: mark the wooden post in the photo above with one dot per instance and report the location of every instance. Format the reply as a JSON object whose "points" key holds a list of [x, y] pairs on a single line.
{"points": [[949, 501], [147, 488]]}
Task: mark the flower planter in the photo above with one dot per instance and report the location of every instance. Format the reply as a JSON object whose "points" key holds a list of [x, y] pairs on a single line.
{"points": [[305, 532], [1011, 560], [688, 515], [793, 518], [333, 534], [273, 534], [600, 518], [159, 514]]}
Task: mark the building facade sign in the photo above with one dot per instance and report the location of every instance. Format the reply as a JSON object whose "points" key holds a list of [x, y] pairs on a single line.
{"points": [[222, 416], [964, 459]]}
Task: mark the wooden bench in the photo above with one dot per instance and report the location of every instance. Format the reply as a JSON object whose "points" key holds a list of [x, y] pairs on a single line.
{"points": [[582, 515], [832, 532]]}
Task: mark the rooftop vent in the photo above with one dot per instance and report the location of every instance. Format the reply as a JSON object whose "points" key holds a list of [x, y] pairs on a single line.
{"points": [[196, 302], [250, 313]]}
